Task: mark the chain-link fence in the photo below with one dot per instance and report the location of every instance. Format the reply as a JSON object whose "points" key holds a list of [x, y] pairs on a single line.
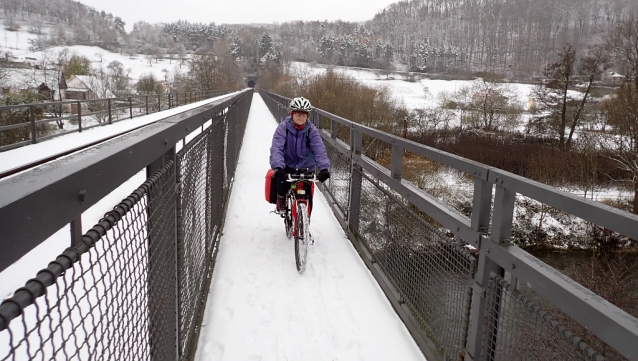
{"points": [[94, 300], [516, 328], [135, 287], [430, 271], [338, 185]]}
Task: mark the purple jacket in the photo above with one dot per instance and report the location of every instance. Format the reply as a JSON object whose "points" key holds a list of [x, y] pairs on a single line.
{"points": [[292, 150]]}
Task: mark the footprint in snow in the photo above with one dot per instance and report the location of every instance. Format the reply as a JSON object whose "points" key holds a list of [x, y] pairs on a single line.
{"points": [[227, 312]]}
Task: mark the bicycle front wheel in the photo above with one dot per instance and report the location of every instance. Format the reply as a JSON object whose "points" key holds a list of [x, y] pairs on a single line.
{"points": [[302, 236]]}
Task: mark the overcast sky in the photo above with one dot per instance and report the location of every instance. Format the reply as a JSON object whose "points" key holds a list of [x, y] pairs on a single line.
{"points": [[239, 11]]}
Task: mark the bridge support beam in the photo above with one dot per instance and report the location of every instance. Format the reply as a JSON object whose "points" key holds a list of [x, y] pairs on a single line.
{"points": [[484, 312]]}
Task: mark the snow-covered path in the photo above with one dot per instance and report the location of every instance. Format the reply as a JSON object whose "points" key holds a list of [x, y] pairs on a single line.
{"points": [[260, 308]]}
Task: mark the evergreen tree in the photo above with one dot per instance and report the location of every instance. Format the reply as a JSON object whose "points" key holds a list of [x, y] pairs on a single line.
{"points": [[265, 44], [388, 54]]}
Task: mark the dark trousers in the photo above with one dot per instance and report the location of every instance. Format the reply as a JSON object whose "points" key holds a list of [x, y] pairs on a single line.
{"points": [[283, 186]]}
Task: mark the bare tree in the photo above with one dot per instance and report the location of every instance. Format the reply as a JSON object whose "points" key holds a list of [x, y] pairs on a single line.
{"points": [[35, 23], [624, 40], [622, 108], [118, 77], [494, 104], [59, 61], [3, 74], [10, 21], [560, 108], [181, 51], [459, 101], [211, 72], [622, 116], [100, 84]]}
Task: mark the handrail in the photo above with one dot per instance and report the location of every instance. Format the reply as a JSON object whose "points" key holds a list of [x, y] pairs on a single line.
{"points": [[136, 105]]}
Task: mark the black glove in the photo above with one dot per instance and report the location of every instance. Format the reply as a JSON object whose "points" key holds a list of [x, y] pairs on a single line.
{"points": [[280, 174], [323, 175]]}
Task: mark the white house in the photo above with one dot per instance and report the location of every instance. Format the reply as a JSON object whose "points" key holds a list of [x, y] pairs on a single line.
{"points": [[83, 87]]}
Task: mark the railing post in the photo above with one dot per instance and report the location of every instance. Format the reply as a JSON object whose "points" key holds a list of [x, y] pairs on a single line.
{"points": [[159, 102], [503, 215], [76, 231], [146, 105], [110, 114], [396, 166], [333, 128], [163, 271], [130, 108], [79, 117], [356, 173], [32, 120], [176, 99], [169, 100], [501, 227]]}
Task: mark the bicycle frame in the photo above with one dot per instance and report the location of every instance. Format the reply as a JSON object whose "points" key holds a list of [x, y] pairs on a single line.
{"points": [[298, 193], [297, 199], [295, 191]]}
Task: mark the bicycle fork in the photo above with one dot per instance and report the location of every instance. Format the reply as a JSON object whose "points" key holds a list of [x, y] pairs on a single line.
{"points": [[294, 219]]}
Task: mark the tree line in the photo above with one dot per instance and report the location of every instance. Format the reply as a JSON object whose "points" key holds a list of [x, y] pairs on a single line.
{"points": [[517, 38]]}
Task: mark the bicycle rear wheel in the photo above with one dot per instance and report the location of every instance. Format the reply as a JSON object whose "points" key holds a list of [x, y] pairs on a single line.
{"points": [[301, 236]]}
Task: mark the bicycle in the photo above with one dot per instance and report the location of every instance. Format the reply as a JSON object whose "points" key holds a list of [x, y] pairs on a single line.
{"points": [[297, 214]]}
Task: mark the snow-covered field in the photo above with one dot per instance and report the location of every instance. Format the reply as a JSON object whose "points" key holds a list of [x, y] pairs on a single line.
{"points": [[417, 91]]}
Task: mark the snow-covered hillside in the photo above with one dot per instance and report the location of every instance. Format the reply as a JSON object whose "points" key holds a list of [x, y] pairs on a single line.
{"points": [[15, 47]]}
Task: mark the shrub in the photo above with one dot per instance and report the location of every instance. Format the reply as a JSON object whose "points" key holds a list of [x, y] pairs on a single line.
{"points": [[343, 95], [22, 115], [148, 84], [78, 65], [533, 157]]}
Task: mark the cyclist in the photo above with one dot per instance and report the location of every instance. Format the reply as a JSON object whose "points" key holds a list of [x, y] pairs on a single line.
{"points": [[297, 144]]}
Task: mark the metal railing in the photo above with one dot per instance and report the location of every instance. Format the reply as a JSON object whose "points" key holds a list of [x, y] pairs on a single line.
{"points": [[464, 291], [134, 286], [26, 124]]}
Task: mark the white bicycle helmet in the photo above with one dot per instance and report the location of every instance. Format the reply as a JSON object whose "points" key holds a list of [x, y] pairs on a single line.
{"points": [[300, 104]]}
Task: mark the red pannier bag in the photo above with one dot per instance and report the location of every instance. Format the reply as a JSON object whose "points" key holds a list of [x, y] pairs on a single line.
{"points": [[271, 187]]}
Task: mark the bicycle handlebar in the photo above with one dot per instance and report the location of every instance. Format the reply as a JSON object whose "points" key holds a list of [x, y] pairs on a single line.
{"points": [[302, 177]]}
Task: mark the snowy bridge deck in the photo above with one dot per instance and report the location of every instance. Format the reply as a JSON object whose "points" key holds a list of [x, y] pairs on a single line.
{"points": [[260, 308], [112, 301]]}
